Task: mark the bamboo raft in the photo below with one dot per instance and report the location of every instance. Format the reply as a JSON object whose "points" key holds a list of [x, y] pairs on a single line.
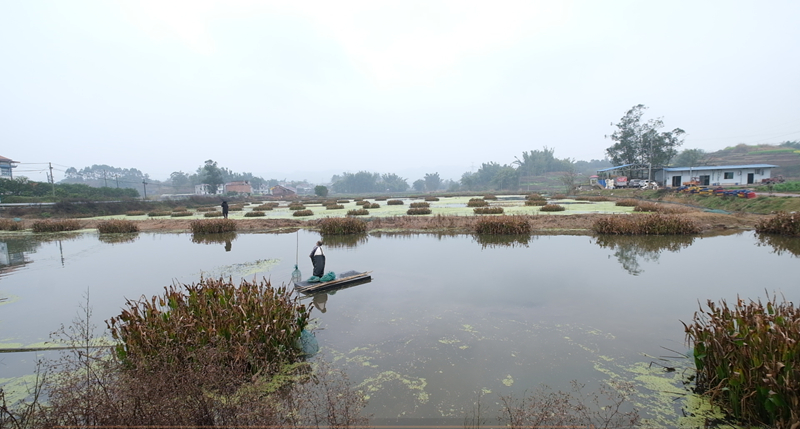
{"points": [[347, 279]]}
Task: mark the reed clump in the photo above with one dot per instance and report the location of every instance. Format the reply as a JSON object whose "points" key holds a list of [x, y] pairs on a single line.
{"points": [[296, 206], [431, 198], [58, 225], [416, 211], [252, 326], [628, 202], [534, 197], [645, 224], [342, 226], [11, 225], [212, 214], [342, 201], [552, 208], [488, 210], [135, 213], [559, 196], [477, 202], [597, 199], [503, 225], [358, 212], [334, 207], [782, 223], [747, 358], [362, 203], [236, 208], [394, 202], [419, 204], [373, 206], [306, 212], [255, 213], [646, 206], [205, 209], [541, 202], [380, 198], [180, 209], [117, 226], [180, 214], [490, 197], [212, 226], [159, 213]]}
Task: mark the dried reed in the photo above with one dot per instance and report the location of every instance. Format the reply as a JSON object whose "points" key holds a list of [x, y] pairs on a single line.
{"points": [[116, 226]]}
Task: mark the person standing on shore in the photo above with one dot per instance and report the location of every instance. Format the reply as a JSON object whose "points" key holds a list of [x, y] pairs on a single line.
{"points": [[318, 260], [225, 209]]}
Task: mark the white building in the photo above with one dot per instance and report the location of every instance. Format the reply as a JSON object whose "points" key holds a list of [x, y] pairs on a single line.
{"points": [[719, 175]]}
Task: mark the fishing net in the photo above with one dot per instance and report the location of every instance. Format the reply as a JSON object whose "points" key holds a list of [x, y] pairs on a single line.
{"points": [[296, 276]]}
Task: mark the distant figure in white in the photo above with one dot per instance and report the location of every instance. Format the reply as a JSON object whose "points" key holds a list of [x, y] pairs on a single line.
{"points": [[610, 184]]}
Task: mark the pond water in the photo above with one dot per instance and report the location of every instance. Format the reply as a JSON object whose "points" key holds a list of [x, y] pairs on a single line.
{"points": [[445, 320]]}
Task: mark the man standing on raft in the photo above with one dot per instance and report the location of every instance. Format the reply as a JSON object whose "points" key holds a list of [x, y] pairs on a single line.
{"points": [[318, 260]]}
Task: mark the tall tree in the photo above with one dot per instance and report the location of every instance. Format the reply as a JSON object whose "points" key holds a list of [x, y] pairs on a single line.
{"points": [[211, 175], [640, 142], [691, 158], [432, 181]]}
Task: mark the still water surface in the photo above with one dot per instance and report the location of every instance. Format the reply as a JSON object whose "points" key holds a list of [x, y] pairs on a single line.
{"points": [[445, 319]]}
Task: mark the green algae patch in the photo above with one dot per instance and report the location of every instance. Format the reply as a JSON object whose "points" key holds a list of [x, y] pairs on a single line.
{"points": [[415, 385], [508, 381], [18, 389], [242, 270], [7, 298]]}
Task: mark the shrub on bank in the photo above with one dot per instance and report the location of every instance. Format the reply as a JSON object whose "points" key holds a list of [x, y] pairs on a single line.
{"points": [[415, 211], [645, 224], [488, 210], [747, 359], [781, 223], [117, 226], [10, 225], [212, 226], [552, 208], [342, 226], [503, 225], [56, 225]]}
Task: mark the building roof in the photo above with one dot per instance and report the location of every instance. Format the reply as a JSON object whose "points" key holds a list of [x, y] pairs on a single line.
{"points": [[617, 167], [4, 159], [720, 167]]}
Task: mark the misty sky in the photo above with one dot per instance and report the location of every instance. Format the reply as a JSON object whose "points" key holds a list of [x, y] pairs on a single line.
{"points": [[305, 89]]}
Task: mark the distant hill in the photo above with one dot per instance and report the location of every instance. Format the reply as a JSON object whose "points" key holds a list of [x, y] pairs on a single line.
{"points": [[786, 157]]}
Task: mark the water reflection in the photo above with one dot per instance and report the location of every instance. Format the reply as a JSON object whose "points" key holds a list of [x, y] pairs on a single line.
{"points": [[345, 241], [491, 240], [630, 249], [320, 300], [780, 244], [225, 238], [12, 253], [118, 238]]}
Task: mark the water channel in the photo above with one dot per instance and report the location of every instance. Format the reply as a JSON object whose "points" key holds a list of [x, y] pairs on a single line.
{"points": [[445, 319]]}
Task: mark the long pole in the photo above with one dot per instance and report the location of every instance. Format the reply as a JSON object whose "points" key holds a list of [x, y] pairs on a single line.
{"points": [[52, 180], [145, 188]]}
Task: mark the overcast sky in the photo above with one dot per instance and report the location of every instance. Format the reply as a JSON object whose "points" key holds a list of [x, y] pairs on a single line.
{"points": [[305, 89]]}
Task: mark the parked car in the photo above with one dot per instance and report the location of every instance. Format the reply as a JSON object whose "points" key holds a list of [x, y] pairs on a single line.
{"points": [[635, 183]]}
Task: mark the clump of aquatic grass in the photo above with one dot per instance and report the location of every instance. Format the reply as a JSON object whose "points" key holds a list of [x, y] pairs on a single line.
{"points": [[395, 202], [212, 226], [541, 202], [488, 210], [419, 204], [747, 358], [255, 213], [431, 198], [358, 212], [180, 214], [253, 325], [373, 206], [334, 207], [477, 202], [534, 197], [296, 206], [135, 213], [628, 202], [180, 209], [418, 211], [117, 226], [236, 208], [206, 209], [342, 201], [490, 197], [10, 225], [159, 214], [503, 225], [552, 208], [303, 213], [597, 198], [559, 196], [380, 198], [646, 206], [358, 199], [56, 225], [362, 203], [212, 214], [781, 223], [645, 224], [266, 206], [342, 225]]}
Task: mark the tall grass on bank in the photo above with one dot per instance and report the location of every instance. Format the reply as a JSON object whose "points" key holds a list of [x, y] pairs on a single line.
{"points": [[212, 226], [645, 224], [646, 206], [11, 225], [503, 225], [747, 358], [116, 226], [253, 326], [56, 225], [781, 223], [342, 226], [628, 202]]}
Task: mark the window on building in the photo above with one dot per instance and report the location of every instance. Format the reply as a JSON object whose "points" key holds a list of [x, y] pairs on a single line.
{"points": [[729, 174], [759, 171]]}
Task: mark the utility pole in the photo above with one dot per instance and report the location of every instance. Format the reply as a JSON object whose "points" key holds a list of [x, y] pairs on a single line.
{"points": [[144, 182], [52, 180], [116, 176], [105, 182]]}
